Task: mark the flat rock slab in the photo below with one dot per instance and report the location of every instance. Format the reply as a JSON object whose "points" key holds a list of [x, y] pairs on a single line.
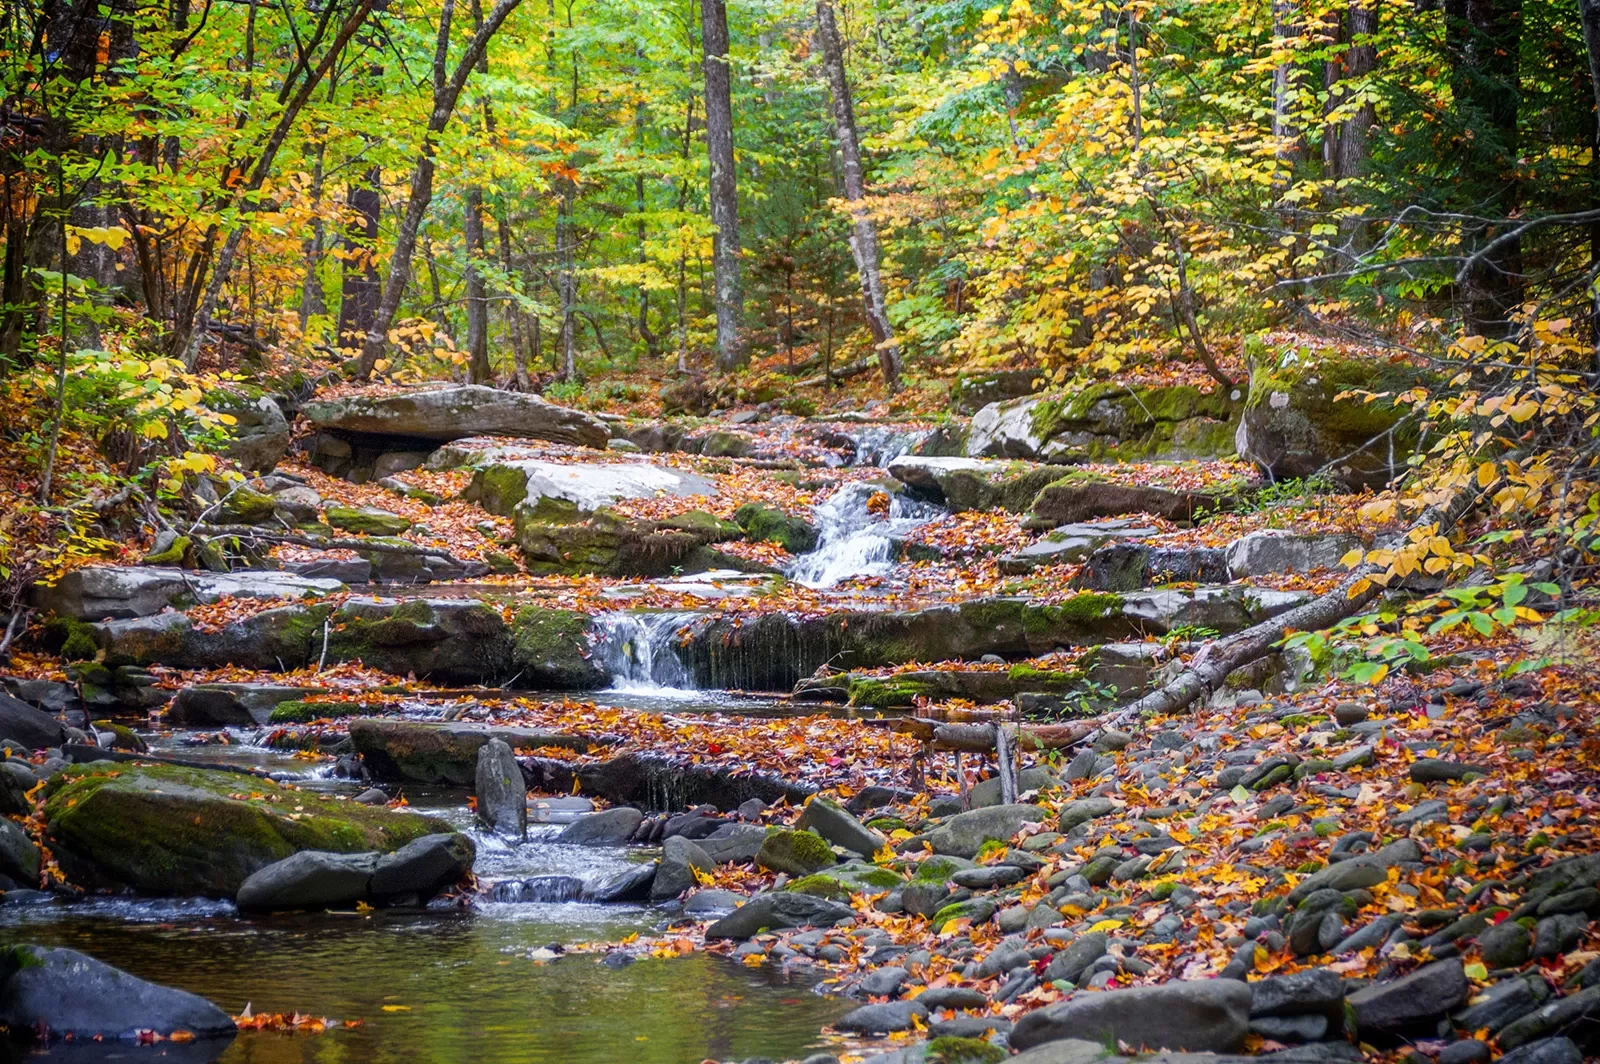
{"points": [[99, 592], [423, 752], [501, 486], [454, 413], [220, 705], [1073, 543]]}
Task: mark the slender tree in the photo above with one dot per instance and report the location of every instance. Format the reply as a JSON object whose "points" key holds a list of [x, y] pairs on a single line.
{"points": [[863, 234], [725, 267]]}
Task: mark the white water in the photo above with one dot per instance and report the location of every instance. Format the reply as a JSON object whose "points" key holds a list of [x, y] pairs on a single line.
{"points": [[639, 651], [879, 446], [854, 542]]}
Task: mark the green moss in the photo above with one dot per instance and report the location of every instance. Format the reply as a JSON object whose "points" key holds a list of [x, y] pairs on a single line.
{"points": [[886, 824], [797, 853], [709, 527], [498, 488], [992, 848], [1089, 606], [888, 693], [950, 1050], [1032, 678], [937, 869], [173, 555], [247, 505], [301, 712], [770, 524], [366, 520], [171, 830], [820, 885], [75, 638]]}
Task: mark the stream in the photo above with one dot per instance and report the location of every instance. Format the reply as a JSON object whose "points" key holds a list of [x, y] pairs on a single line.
{"points": [[444, 985]]}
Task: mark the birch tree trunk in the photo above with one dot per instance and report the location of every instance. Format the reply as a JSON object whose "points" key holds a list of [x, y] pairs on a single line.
{"points": [[724, 186], [863, 234]]}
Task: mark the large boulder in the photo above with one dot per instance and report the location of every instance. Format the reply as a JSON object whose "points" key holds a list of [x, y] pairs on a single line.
{"points": [[1106, 422], [1083, 496], [310, 879], [973, 391], [217, 705], [1411, 1003], [1281, 551], [163, 829], [500, 487], [71, 995], [21, 723], [975, 483], [426, 752], [100, 592], [1295, 425], [777, 911], [837, 826], [259, 436], [557, 538], [964, 834], [1211, 1015], [502, 797], [454, 413]]}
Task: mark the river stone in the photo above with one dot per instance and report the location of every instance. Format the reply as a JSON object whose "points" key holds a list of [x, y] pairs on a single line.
{"points": [[507, 487], [882, 1019], [734, 843], [837, 826], [1035, 778], [167, 830], [1313, 991], [1273, 551], [16, 780], [609, 827], [221, 705], [1441, 770], [632, 884], [1082, 811], [1078, 1051], [778, 911], [310, 879], [795, 853], [22, 723], [428, 752], [457, 412], [259, 436], [72, 995], [98, 592], [502, 796], [1505, 945], [1573, 1014], [1504, 1002], [423, 867], [1211, 1015], [19, 857], [1074, 959], [964, 834], [366, 520], [1365, 870], [1410, 1001], [680, 860], [1545, 1051]]}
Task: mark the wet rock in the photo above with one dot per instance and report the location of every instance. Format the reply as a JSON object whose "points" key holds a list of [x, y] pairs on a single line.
{"points": [[1466, 1051], [964, 834], [311, 879], [609, 827], [454, 413], [19, 857], [703, 903], [631, 885], [426, 752], [840, 828], [737, 844], [372, 796], [882, 1019], [16, 780], [989, 877], [1505, 1001], [213, 705], [1411, 1001], [1078, 1051], [423, 868], [1203, 1015], [778, 911], [502, 798], [23, 724], [166, 830], [1315, 991], [954, 997], [72, 995], [883, 982], [680, 860]]}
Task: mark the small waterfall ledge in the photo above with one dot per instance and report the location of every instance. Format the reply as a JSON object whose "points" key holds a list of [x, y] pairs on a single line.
{"points": [[853, 540]]}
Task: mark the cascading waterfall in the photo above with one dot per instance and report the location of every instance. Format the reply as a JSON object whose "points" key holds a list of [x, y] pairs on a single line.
{"points": [[854, 541], [640, 651], [877, 446]]}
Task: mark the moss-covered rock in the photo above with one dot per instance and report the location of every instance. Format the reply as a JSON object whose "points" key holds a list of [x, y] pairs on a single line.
{"points": [[366, 520], [978, 910], [769, 524], [172, 555], [709, 527], [1294, 424], [795, 853], [950, 1050], [167, 830], [245, 505], [844, 880], [1106, 421], [299, 711], [551, 648], [73, 639]]}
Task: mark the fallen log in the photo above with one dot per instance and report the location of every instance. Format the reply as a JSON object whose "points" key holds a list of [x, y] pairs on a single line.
{"points": [[843, 373], [268, 536], [1219, 657]]}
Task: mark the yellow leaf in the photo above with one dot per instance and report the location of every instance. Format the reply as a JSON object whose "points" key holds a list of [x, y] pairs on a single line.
{"points": [[1486, 474], [1105, 925], [1352, 558]]}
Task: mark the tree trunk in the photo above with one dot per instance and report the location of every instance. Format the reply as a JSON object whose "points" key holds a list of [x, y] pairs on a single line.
{"points": [[1360, 60], [312, 301], [1483, 38], [1284, 83], [359, 286], [863, 234], [446, 91], [1591, 38], [724, 186], [477, 303]]}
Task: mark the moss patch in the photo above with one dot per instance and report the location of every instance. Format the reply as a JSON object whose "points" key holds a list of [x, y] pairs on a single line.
{"points": [[796, 853], [770, 524], [950, 1050]]}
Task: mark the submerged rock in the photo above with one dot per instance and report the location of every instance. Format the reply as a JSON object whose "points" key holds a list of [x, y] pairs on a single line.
{"points": [[67, 994], [161, 829]]}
